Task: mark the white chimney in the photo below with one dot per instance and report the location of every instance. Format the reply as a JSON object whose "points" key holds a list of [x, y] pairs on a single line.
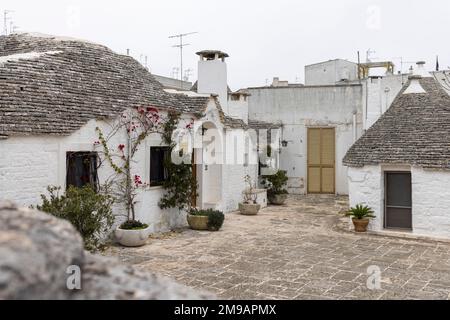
{"points": [[420, 70], [212, 75], [414, 86]]}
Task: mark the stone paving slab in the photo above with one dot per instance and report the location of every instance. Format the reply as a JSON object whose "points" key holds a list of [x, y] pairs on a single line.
{"points": [[302, 250]]}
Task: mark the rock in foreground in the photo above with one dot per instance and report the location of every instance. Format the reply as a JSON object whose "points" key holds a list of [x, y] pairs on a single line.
{"points": [[37, 249]]}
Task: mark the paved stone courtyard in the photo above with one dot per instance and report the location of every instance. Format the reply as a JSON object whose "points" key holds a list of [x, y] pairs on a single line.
{"points": [[302, 250]]}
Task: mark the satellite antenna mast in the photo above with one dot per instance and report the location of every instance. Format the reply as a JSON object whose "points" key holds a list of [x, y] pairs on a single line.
{"points": [[181, 46], [5, 21]]}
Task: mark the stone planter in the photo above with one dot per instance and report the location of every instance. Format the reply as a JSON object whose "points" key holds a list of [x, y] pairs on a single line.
{"points": [[199, 223], [361, 224], [132, 238], [249, 209], [277, 199]]}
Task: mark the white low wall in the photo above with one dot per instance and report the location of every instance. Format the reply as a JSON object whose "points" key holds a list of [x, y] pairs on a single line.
{"points": [[430, 198]]}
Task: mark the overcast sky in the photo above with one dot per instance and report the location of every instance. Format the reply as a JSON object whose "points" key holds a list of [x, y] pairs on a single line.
{"points": [[264, 38]]}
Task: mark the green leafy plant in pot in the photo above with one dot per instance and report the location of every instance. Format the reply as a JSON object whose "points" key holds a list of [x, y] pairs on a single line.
{"points": [[361, 216], [206, 220], [276, 192]]}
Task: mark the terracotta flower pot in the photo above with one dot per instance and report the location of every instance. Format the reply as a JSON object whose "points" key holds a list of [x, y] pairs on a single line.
{"points": [[249, 209], [199, 223], [360, 224], [278, 199]]}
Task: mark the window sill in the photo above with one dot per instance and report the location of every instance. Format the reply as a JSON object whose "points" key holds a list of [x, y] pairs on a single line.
{"points": [[154, 188]]}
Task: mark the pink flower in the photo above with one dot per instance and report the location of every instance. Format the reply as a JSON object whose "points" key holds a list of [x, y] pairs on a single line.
{"points": [[96, 143], [137, 180], [121, 147]]}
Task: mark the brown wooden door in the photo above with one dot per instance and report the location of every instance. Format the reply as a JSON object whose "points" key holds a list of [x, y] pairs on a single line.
{"points": [[321, 160], [398, 200]]}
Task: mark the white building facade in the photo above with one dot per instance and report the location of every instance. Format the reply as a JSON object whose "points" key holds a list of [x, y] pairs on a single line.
{"points": [[401, 166], [41, 125]]}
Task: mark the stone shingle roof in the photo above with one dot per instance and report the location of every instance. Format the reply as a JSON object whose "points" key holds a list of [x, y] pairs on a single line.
{"points": [[234, 123], [415, 130], [50, 85], [260, 125]]}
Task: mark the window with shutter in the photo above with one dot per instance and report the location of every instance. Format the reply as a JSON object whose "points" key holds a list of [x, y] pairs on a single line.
{"points": [[158, 172], [82, 169]]}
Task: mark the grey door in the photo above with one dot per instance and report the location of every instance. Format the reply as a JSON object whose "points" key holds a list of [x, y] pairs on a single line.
{"points": [[398, 200]]}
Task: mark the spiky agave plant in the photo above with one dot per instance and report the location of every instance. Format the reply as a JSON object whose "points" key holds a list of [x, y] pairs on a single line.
{"points": [[360, 212]]}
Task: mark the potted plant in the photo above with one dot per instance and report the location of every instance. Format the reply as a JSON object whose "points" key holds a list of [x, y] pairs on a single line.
{"points": [[138, 124], [205, 220], [250, 206], [277, 193], [361, 216]]}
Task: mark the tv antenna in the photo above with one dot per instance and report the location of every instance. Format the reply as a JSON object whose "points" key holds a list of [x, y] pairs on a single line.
{"points": [[188, 74], [175, 72], [6, 18], [368, 54], [181, 46]]}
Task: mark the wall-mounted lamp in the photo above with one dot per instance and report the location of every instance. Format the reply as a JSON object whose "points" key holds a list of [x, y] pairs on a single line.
{"points": [[284, 143]]}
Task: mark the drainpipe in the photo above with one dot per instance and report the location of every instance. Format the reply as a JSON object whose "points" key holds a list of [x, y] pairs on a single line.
{"points": [[355, 131]]}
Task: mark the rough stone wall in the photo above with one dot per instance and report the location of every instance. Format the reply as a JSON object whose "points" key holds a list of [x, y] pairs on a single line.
{"points": [[36, 251]]}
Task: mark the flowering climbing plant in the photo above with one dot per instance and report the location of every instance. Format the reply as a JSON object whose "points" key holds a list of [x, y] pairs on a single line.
{"points": [[137, 124]]}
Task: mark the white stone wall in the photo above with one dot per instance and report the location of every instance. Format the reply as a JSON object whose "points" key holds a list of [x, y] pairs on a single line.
{"points": [[212, 78], [431, 202], [29, 164], [330, 72], [366, 187], [238, 108], [309, 107], [380, 92], [430, 197]]}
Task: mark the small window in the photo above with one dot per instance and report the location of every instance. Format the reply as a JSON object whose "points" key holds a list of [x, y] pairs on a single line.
{"points": [[158, 172], [82, 169]]}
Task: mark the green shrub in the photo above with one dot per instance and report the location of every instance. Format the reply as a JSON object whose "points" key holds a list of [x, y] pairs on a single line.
{"points": [[89, 212], [276, 183], [360, 212], [215, 218], [133, 225]]}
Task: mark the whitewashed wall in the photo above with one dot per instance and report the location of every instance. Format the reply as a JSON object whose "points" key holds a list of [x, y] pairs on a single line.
{"points": [[431, 202], [301, 108], [430, 197], [29, 164], [366, 187], [238, 108], [380, 92]]}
